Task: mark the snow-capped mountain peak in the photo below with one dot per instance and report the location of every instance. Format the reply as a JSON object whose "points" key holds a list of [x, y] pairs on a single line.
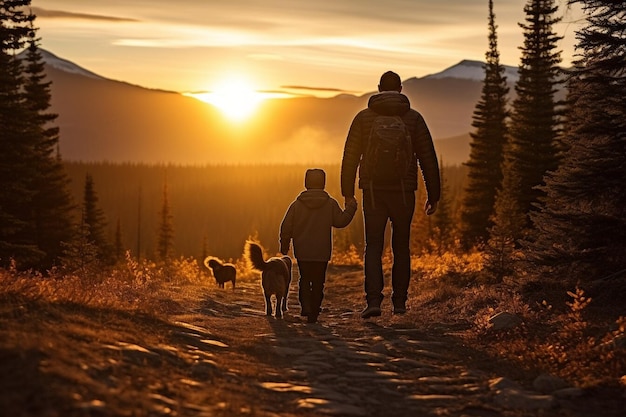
{"points": [[64, 65], [472, 70]]}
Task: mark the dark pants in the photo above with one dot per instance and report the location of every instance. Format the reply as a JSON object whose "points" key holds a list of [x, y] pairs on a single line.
{"points": [[398, 207], [311, 287]]}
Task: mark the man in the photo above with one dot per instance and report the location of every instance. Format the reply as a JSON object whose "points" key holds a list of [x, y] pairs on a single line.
{"points": [[389, 199]]}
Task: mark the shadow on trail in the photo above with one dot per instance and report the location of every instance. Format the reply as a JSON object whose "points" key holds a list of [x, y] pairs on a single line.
{"points": [[346, 366]]}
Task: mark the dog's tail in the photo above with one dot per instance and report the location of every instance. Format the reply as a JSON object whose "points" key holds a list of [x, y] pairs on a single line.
{"points": [[255, 255], [208, 259]]}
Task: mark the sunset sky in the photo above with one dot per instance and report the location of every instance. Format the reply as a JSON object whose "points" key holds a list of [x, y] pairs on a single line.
{"points": [[305, 47]]}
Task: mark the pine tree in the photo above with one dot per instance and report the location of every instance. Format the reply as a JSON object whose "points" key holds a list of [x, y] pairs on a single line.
{"points": [[421, 226], [443, 226], [501, 248], [15, 152], [94, 221], [119, 250], [581, 229], [34, 202], [205, 249], [534, 127], [487, 147], [165, 240], [52, 204], [80, 255]]}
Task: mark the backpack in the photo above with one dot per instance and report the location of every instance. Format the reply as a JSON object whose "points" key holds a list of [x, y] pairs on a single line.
{"points": [[389, 150]]}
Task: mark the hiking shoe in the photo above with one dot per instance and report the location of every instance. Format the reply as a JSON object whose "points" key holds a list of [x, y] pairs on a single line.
{"points": [[399, 310], [371, 311]]}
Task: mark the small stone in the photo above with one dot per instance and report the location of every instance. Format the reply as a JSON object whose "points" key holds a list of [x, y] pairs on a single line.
{"points": [[503, 383], [504, 320], [547, 384], [405, 363], [203, 369], [326, 407], [216, 343], [520, 400], [433, 398], [286, 387], [567, 393]]}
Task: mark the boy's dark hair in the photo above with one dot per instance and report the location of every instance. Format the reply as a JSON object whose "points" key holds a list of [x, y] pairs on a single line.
{"points": [[315, 178]]}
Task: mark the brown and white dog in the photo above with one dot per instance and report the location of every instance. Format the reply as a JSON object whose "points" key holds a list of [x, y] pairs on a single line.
{"points": [[275, 277], [221, 272]]}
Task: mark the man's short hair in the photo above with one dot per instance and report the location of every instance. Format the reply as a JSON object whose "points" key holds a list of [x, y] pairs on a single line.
{"points": [[390, 81]]}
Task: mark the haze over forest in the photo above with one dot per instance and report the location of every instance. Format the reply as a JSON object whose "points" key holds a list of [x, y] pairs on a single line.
{"points": [[107, 120], [216, 208]]}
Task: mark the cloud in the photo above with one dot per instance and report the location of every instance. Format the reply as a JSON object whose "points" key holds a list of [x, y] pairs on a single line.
{"points": [[318, 89], [61, 14], [266, 57], [294, 43]]}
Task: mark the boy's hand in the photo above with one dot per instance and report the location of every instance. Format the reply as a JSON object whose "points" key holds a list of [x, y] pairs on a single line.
{"points": [[348, 200], [430, 208]]}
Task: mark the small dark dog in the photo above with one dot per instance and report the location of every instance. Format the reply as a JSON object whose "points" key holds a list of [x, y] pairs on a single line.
{"points": [[222, 272], [275, 277]]}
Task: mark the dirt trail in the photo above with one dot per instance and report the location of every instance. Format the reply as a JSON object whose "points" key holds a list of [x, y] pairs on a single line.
{"points": [[346, 366], [343, 367], [217, 354]]}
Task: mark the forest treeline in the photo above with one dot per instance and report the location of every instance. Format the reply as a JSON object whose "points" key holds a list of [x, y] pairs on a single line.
{"points": [[215, 208]]}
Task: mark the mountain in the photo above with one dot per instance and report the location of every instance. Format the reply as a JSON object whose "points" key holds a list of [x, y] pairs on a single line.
{"points": [[107, 120], [473, 70], [454, 150], [54, 61]]}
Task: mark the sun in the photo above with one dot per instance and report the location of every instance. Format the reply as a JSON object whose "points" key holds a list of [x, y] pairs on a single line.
{"points": [[234, 97]]}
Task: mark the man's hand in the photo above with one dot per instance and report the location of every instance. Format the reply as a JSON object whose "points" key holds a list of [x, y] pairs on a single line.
{"points": [[430, 208], [348, 200]]}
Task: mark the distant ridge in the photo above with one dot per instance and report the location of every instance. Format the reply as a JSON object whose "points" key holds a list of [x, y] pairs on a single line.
{"points": [[68, 67], [102, 119], [472, 70], [64, 65]]}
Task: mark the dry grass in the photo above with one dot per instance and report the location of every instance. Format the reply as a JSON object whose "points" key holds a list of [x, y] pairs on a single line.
{"points": [[574, 343]]}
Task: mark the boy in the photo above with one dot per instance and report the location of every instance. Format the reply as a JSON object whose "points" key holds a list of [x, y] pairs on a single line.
{"points": [[308, 222]]}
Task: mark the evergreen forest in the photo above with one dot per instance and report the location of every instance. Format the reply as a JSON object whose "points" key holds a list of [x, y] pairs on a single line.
{"points": [[215, 209]]}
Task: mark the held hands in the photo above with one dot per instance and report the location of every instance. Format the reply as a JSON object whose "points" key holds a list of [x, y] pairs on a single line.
{"points": [[349, 201], [430, 208]]}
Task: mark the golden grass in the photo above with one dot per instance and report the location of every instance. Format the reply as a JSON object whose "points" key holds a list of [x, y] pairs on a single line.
{"points": [[572, 343]]}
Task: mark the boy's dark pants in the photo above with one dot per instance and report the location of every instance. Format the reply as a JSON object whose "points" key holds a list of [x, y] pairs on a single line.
{"points": [[311, 287]]}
